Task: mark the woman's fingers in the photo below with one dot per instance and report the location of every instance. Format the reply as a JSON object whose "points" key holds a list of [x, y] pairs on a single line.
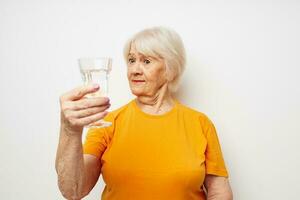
{"points": [[90, 119], [90, 111], [79, 92], [77, 111], [89, 102]]}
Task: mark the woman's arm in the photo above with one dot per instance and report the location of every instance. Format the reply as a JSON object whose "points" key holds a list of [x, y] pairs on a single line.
{"points": [[218, 188], [77, 173]]}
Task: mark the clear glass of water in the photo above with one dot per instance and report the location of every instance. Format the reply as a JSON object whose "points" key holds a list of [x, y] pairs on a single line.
{"points": [[96, 70]]}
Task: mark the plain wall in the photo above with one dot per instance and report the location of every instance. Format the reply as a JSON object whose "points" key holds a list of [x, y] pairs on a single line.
{"points": [[242, 71]]}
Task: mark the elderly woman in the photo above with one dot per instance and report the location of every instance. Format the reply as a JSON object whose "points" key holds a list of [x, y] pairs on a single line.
{"points": [[156, 147]]}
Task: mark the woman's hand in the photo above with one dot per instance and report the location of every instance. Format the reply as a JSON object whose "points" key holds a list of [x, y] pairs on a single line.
{"points": [[78, 111]]}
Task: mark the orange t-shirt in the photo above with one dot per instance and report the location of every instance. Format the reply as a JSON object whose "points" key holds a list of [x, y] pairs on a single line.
{"points": [[159, 157]]}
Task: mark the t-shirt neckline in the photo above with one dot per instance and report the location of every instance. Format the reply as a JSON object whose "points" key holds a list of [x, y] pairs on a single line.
{"points": [[139, 110]]}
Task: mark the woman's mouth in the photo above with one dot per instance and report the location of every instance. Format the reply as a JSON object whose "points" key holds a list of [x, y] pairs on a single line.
{"points": [[138, 81]]}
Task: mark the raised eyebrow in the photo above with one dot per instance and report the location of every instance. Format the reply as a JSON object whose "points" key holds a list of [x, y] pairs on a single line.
{"points": [[142, 56], [130, 54], [150, 57]]}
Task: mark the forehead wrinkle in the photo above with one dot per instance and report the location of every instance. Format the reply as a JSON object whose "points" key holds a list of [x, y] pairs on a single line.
{"points": [[138, 55]]}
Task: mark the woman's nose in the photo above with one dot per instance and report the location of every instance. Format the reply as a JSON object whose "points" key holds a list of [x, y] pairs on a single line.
{"points": [[136, 68]]}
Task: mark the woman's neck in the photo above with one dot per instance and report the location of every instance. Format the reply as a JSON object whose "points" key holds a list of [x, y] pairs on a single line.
{"points": [[157, 104]]}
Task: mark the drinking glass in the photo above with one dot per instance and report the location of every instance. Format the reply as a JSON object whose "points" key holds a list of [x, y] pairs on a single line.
{"points": [[96, 70]]}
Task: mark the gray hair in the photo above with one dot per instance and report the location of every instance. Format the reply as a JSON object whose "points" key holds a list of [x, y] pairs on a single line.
{"points": [[161, 42]]}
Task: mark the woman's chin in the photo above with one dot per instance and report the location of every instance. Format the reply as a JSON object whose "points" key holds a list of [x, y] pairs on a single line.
{"points": [[137, 91]]}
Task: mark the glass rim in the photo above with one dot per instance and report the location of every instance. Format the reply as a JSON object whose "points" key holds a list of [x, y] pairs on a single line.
{"points": [[89, 63]]}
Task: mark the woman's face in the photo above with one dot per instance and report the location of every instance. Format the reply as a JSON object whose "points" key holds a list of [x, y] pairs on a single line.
{"points": [[146, 75]]}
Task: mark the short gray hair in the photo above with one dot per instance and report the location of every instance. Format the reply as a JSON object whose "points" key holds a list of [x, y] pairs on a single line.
{"points": [[161, 42]]}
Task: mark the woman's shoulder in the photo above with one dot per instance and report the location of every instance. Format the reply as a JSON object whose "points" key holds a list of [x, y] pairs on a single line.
{"points": [[194, 113]]}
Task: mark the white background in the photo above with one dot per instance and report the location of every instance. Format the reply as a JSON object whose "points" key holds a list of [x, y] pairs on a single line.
{"points": [[242, 71]]}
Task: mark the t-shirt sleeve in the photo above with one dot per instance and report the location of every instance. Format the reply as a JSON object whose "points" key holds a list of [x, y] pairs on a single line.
{"points": [[95, 142], [214, 161], [97, 139]]}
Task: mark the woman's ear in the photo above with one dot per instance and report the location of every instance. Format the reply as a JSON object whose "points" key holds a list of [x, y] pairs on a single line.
{"points": [[168, 73]]}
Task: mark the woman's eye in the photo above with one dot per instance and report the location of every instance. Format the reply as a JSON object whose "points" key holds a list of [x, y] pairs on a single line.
{"points": [[131, 60], [147, 61]]}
